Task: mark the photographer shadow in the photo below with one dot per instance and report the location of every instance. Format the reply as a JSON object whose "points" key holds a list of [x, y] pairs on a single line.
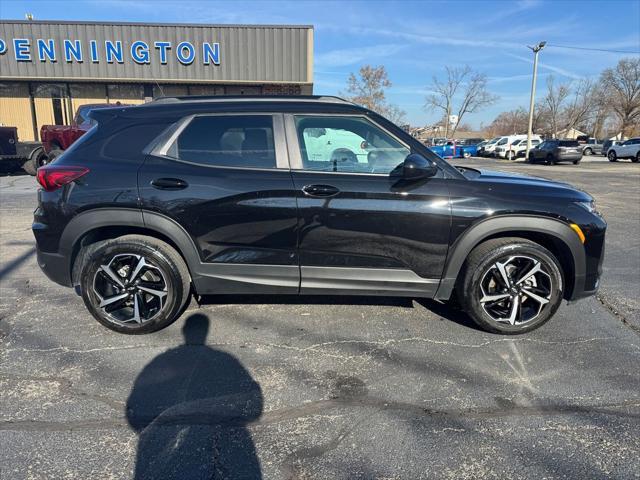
{"points": [[190, 407]]}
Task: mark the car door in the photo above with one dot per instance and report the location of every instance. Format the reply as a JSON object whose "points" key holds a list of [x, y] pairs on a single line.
{"points": [[362, 228], [224, 179]]}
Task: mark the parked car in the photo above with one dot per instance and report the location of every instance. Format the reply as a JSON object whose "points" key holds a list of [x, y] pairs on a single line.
{"points": [[608, 144], [628, 149], [57, 138], [591, 146], [487, 150], [556, 151], [453, 149], [28, 155], [519, 147], [506, 146], [227, 195]]}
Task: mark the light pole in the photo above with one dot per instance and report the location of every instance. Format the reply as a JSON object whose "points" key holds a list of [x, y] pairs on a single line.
{"points": [[535, 50]]}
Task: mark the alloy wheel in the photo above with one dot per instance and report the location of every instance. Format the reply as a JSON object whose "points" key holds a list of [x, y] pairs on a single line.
{"points": [[130, 289], [516, 290]]}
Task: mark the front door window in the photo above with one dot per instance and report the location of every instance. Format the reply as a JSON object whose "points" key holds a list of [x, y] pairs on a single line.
{"points": [[347, 144]]}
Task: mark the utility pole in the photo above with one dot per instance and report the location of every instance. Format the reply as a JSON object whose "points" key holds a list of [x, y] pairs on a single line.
{"points": [[535, 50]]}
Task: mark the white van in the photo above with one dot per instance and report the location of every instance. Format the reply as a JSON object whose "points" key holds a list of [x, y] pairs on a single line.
{"points": [[487, 150], [505, 146]]}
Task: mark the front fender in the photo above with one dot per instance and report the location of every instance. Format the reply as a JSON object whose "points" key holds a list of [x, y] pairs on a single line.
{"points": [[513, 224]]}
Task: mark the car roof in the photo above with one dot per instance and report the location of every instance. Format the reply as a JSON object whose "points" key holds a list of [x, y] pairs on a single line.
{"points": [[250, 98], [188, 105]]}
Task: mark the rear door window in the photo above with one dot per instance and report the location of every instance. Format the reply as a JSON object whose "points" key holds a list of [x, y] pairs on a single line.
{"points": [[569, 143], [227, 141]]}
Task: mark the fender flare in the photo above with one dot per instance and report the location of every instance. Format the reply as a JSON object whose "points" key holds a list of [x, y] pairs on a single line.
{"points": [[90, 220], [459, 251]]}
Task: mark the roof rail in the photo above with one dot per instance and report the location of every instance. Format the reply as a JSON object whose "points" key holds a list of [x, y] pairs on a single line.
{"points": [[249, 98]]}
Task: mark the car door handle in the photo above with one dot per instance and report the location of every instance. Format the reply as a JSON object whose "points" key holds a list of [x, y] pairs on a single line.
{"points": [[320, 190], [169, 184]]}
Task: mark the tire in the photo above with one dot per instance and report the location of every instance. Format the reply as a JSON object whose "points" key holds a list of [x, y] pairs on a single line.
{"points": [[576, 162], [163, 273], [636, 159], [550, 160], [482, 279], [53, 154], [587, 151], [612, 156], [37, 160]]}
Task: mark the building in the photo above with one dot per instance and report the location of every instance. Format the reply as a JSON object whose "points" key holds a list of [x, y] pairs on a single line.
{"points": [[48, 69]]}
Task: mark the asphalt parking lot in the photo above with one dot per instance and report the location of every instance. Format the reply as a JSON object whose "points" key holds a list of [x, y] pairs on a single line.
{"points": [[306, 388]]}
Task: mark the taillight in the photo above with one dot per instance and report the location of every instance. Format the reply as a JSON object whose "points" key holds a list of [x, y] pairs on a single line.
{"points": [[52, 177]]}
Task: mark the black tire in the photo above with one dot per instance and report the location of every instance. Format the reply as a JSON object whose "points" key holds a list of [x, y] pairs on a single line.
{"points": [[612, 156], [37, 160], [481, 263], [576, 162], [588, 151], [636, 159], [164, 272], [53, 154], [550, 160]]}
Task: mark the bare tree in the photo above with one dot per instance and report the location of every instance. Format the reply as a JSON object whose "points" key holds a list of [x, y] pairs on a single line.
{"points": [[512, 122], [553, 104], [581, 106], [368, 89], [394, 114], [473, 89], [622, 91]]}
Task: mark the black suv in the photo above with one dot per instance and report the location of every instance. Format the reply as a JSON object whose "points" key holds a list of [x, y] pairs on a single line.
{"points": [[300, 195]]}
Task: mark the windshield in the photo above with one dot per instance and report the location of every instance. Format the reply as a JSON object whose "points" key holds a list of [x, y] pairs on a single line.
{"points": [[517, 142], [503, 141], [494, 140]]}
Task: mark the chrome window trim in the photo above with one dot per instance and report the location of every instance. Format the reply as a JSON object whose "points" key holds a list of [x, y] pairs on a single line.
{"points": [[293, 144], [279, 140]]}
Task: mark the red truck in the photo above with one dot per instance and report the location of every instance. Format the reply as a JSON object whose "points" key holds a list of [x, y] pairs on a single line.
{"points": [[57, 138]]}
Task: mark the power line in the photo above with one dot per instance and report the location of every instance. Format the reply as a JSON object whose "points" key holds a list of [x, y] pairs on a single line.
{"points": [[594, 49]]}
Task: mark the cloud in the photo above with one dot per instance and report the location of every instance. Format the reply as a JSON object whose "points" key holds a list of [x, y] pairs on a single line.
{"points": [[561, 71], [350, 56]]}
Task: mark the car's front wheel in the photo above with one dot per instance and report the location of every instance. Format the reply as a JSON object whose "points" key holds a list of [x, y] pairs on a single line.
{"points": [[636, 159], [134, 284], [612, 156], [511, 285]]}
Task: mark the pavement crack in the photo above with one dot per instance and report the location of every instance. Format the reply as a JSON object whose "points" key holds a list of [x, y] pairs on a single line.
{"points": [[616, 313], [203, 417]]}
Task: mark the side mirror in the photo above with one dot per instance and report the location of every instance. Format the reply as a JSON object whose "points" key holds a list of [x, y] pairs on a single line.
{"points": [[416, 166]]}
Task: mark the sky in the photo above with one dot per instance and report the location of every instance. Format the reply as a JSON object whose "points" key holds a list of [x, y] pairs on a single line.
{"points": [[414, 40]]}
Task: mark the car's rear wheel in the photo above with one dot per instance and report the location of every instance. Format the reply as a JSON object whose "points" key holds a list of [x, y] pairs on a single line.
{"points": [[134, 284], [576, 162], [550, 160], [587, 151], [511, 285], [612, 156]]}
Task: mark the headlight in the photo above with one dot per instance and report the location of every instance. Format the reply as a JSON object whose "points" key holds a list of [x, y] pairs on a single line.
{"points": [[588, 206]]}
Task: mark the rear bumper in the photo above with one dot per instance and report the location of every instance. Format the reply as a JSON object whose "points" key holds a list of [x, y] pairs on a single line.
{"points": [[568, 156], [55, 267]]}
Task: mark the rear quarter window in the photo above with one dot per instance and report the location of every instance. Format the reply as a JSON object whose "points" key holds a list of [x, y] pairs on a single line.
{"points": [[569, 143], [130, 141]]}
